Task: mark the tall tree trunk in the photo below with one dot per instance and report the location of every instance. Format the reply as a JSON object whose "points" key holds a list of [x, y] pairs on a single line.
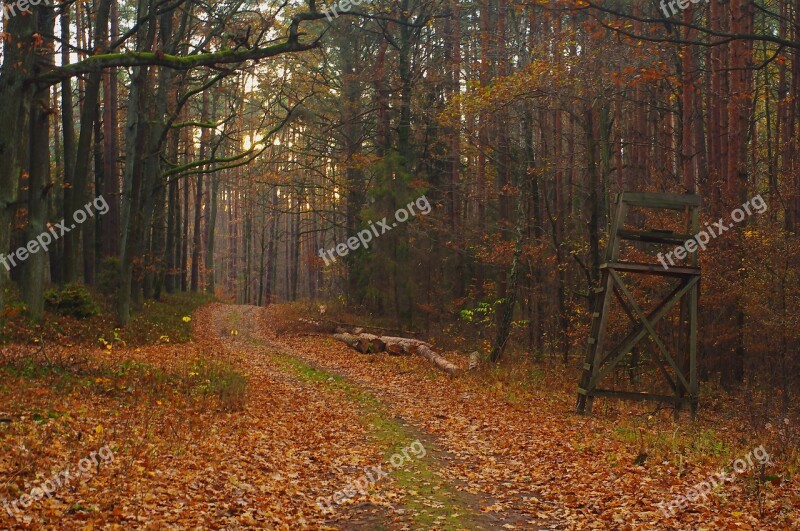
{"points": [[594, 191], [132, 228], [15, 103], [39, 173], [184, 262], [80, 184], [173, 220], [272, 253], [212, 229], [93, 248], [354, 176], [172, 225], [157, 249], [688, 107], [262, 269], [109, 225], [67, 269], [197, 241], [297, 241], [57, 193], [153, 197], [205, 139]]}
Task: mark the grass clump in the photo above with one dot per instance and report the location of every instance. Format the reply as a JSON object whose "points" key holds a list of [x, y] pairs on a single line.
{"points": [[220, 380]]}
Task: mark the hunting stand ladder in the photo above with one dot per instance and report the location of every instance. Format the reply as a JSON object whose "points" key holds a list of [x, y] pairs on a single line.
{"points": [[600, 360]]}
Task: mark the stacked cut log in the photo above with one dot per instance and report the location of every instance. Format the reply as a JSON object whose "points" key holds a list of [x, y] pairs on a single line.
{"points": [[372, 344], [364, 343]]}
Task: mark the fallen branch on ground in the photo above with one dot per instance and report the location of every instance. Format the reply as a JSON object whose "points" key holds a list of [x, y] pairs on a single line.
{"points": [[372, 344]]}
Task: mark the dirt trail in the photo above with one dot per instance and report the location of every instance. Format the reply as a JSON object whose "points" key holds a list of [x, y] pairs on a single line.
{"points": [[346, 429]]}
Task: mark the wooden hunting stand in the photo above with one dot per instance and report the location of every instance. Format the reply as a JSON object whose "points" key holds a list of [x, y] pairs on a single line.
{"points": [[599, 360]]}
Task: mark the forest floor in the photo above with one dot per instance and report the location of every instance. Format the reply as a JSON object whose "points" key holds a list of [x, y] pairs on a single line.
{"points": [[252, 422]]}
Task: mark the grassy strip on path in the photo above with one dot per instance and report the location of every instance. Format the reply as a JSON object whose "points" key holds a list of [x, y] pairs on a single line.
{"points": [[431, 501]]}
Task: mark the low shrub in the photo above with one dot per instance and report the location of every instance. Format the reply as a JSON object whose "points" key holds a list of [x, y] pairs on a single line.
{"points": [[72, 300]]}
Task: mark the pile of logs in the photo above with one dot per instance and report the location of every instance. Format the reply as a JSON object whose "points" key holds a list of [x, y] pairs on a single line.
{"points": [[356, 338], [397, 346]]}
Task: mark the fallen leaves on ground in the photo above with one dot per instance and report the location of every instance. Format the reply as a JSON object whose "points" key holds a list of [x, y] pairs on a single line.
{"points": [[191, 451]]}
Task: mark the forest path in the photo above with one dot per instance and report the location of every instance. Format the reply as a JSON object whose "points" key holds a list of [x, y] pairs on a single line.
{"points": [[355, 416]]}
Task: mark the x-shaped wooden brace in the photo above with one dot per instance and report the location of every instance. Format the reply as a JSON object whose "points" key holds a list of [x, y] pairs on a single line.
{"points": [[645, 328], [619, 295]]}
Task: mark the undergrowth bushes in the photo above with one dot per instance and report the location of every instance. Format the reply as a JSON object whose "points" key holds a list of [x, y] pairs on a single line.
{"points": [[72, 300], [200, 379]]}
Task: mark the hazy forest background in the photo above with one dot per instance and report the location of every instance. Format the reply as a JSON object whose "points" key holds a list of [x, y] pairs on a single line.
{"points": [[233, 140]]}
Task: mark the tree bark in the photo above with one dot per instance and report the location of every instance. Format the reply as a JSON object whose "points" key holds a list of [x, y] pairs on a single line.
{"points": [[15, 105], [33, 279]]}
